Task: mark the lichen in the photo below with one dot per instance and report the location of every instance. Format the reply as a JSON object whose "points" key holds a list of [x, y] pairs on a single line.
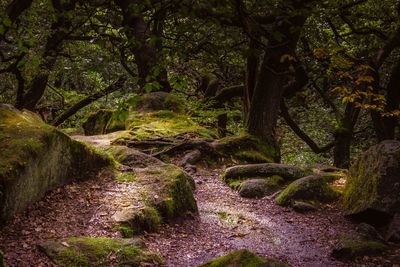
{"points": [[243, 258]]}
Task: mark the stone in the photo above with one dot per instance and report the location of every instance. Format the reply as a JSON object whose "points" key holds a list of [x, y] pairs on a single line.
{"points": [[311, 188], [372, 192], [96, 123], [36, 158], [350, 248], [258, 188], [96, 251], [301, 206], [156, 101], [243, 258]]}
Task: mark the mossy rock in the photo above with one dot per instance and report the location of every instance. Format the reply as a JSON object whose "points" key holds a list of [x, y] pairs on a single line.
{"points": [[92, 251], [116, 123], [243, 258], [257, 188], [155, 101], [137, 220], [244, 149], [244, 172], [169, 190], [350, 248], [373, 185], [96, 123], [35, 158], [311, 188]]}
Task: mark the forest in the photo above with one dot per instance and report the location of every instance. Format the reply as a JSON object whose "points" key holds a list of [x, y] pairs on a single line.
{"points": [[206, 133]]}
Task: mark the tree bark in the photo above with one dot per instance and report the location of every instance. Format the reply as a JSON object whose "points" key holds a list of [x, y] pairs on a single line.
{"points": [[145, 45]]}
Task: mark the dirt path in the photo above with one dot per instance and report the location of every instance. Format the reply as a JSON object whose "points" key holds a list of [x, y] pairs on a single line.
{"points": [[225, 222]]}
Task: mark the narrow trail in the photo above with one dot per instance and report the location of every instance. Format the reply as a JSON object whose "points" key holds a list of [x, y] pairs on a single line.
{"points": [[225, 222]]}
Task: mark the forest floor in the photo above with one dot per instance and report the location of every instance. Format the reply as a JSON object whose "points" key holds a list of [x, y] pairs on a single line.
{"points": [[225, 222]]}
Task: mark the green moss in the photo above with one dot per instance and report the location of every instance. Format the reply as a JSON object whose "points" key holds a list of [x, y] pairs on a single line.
{"points": [[246, 148], [310, 188], [243, 258], [126, 177], [350, 248], [361, 188], [164, 124], [235, 184], [126, 231], [91, 251]]}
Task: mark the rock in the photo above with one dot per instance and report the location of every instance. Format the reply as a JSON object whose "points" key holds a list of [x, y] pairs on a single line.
{"points": [[35, 158], [368, 232], [257, 188], [96, 123], [243, 258], [92, 251], [372, 192], [301, 206], [133, 158], [155, 101], [243, 149], [136, 220], [350, 248], [310, 188], [393, 233], [264, 170]]}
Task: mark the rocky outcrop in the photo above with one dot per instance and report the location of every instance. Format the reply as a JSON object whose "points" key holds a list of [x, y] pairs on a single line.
{"points": [[243, 258], [312, 188], [96, 123], [166, 192], [91, 251], [35, 158], [372, 192]]}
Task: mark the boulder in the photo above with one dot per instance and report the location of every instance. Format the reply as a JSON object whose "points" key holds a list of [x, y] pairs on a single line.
{"points": [[350, 247], [243, 172], [243, 258], [313, 188], [257, 188], [372, 192], [165, 192], [155, 101], [92, 251], [35, 158], [96, 123], [301, 206]]}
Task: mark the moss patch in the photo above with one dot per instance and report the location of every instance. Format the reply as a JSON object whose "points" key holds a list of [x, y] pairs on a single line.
{"points": [[310, 188], [164, 123], [243, 258], [90, 251], [125, 177], [96, 123]]}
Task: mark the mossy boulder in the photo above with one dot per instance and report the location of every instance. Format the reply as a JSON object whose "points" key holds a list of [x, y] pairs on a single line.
{"points": [[96, 123], [349, 248], [313, 188], [243, 172], [92, 251], [166, 191], [35, 158], [373, 187], [257, 188], [243, 258], [155, 101], [244, 149]]}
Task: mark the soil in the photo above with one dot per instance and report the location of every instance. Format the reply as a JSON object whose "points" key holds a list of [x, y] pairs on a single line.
{"points": [[225, 222]]}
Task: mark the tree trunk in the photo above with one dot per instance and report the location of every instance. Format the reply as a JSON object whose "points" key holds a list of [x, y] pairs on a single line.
{"points": [[272, 78], [341, 151], [145, 45]]}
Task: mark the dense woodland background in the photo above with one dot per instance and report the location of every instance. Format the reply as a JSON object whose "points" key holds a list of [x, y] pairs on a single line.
{"points": [[317, 80]]}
